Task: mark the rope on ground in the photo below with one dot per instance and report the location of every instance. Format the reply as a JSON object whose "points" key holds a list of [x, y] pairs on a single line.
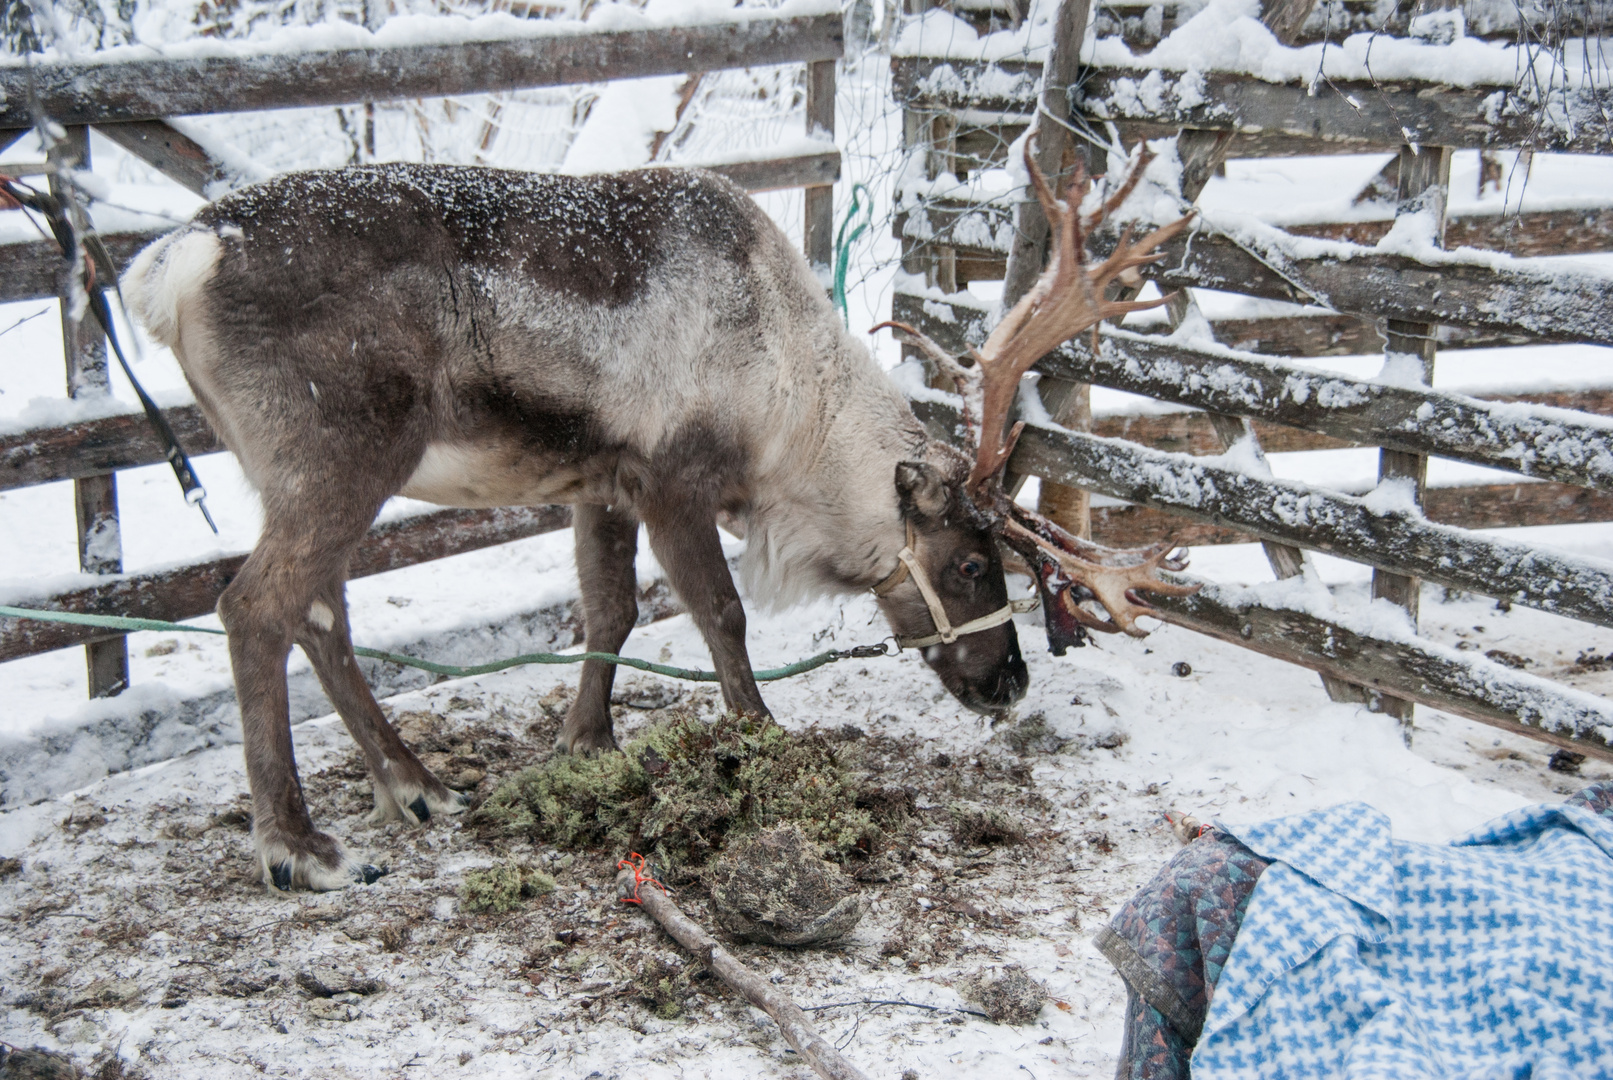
{"points": [[455, 671]]}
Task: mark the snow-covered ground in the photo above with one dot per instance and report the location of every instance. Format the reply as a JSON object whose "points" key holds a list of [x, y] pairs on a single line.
{"points": [[136, 928]]}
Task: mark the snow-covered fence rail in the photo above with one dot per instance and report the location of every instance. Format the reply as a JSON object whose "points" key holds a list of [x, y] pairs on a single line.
{"points": [[129, 96], [1342, 115], [1399, 665], [1373, 654], [1482, 292], [1141, 24], [555, 54], [1466, 506], [1383, 532], [192, 590], [967, 101], [1540, 441]]}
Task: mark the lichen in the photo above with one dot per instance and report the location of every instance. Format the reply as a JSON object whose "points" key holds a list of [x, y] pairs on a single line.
{"points": [[772, 887], [502, 888], [1008, 997], [681, 789], [976, 823]]}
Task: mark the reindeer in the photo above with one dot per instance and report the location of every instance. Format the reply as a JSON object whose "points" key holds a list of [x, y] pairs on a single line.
{"points": [[646, 347]]}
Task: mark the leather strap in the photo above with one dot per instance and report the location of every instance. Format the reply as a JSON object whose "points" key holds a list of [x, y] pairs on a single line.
{"points": [[898, 575], [907, 563]]}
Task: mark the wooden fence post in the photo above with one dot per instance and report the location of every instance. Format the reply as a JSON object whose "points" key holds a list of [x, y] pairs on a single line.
{"points": [[1069, 403], [95, 498], [820, 199], [1425, 179]]}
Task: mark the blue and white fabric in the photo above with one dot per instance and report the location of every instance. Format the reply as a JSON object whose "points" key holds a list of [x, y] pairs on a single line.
{"points": [[1363, 957]]}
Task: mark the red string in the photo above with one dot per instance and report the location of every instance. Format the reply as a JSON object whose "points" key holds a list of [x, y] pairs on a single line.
{"points": [[641, 874]]}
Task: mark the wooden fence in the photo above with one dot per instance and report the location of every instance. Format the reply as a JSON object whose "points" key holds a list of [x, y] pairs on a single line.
{"points": [[130, 102], [961, 118]]}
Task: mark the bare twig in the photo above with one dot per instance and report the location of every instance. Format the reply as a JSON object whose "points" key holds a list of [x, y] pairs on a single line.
{"points": [[907, 1004], [792, 1022]]}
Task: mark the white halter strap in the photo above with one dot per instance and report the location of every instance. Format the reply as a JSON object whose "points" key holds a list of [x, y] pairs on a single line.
{"points": [[946, 633]]}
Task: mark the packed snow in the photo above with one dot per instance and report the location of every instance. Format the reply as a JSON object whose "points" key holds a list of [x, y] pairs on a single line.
{"points": [[135, 931]]}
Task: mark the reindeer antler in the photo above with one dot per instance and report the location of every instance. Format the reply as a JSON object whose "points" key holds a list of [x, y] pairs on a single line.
{"points": [[1066, 301]]}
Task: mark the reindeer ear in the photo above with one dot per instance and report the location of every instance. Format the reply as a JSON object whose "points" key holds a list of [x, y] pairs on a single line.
{"points": [[921, 489]]}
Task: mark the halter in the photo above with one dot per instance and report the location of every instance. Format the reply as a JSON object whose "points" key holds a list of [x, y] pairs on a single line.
{"points": [[946, 633]]}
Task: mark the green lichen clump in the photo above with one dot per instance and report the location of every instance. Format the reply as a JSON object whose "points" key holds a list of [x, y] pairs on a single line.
{"points": [[682, 788], [502, 888]]}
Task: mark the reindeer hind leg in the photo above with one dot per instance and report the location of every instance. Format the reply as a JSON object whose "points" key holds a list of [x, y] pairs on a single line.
{"points": [[261, 610]]}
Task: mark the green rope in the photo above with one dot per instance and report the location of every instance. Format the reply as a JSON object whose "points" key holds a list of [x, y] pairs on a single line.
{"points": [[843, 243], [119, 622]]}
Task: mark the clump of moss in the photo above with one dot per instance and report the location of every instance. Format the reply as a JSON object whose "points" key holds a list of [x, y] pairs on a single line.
{"points": [[682, 788], [1007, 997], [976, 823], [503, 888], [663, 984]]}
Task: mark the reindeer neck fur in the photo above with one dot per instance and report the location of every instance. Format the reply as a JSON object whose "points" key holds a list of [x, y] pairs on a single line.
{"points": [[832, 526]]}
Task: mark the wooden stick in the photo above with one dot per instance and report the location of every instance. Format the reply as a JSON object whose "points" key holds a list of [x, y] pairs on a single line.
{"points": [[792, 1022]]}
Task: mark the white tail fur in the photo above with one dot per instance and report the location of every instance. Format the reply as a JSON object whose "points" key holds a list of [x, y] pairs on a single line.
{"points": [[167, 277]]}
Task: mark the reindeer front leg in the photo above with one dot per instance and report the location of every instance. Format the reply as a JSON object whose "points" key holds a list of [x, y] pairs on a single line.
{"points": [[689, 550], [607, 542]]}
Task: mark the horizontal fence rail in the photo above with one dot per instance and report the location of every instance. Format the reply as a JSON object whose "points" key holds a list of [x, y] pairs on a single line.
{"points": [[1538, 441], [1525, 234], [1305, 517], [188, 592], [1465, 506], [153, 89], [1511, 298], [1412, 669], [1346, 114]]}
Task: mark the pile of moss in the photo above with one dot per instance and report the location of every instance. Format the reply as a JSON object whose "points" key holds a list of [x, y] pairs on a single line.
{"points": [[502, 888], [682, 788]]}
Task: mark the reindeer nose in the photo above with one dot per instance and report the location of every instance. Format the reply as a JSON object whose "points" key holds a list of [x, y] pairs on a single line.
{"points": [[1012, 682]]}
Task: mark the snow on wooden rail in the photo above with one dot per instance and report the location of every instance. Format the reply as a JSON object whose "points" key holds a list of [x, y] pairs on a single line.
{"points": [[1382, 530], [1385, 656], [1465, 506], [154, 88], [1538, 441], [192, 590], [1362, 115], [1491, 293]]}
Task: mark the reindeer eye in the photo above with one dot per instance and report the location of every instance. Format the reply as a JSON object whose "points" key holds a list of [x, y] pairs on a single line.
{"points": [[971, 568]]}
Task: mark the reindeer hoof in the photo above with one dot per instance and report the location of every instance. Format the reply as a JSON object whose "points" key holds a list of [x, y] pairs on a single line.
{"points": [[585, 743], [363, 874], [417, 809], [317, 863]]}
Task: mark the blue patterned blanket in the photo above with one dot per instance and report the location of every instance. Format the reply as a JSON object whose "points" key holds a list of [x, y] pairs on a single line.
{"points": [[1355, 955]]}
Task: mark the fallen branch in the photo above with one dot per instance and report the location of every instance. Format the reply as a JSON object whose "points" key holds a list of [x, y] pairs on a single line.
{"points": [[792, 1022]]}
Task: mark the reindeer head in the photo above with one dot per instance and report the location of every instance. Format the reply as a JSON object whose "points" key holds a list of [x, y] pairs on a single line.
{"points": [[1067, 300], [947, 596]]}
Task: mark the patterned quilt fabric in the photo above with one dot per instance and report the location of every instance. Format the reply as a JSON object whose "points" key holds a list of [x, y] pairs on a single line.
{"points": [[1363, 957]]}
